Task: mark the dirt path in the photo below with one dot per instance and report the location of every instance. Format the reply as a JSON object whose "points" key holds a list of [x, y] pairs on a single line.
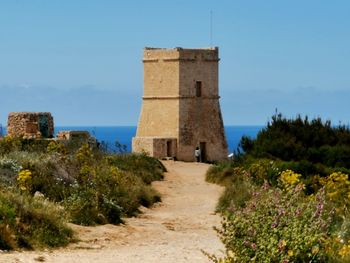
{"points": [[172, 231]]}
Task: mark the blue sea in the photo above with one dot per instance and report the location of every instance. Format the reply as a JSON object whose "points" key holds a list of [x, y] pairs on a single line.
{"points": [[124, 134]]}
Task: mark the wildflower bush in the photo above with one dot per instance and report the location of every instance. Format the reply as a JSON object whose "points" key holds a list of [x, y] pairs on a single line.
{"points": [[263, 170], [283, 222], [91, 186], [277, 226], [287, 197], [56, 147], [114, 186], [104, 194], [337, 188], [289, 179]]}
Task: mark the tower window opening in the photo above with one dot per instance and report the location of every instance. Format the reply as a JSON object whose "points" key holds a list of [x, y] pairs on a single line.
{"points": [[198, 88]]}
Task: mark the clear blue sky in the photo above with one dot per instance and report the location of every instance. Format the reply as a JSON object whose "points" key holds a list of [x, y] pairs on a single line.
{"points": [[81, 59]]}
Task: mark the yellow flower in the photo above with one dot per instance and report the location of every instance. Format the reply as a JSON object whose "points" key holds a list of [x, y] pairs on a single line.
{"points": [[315, 250], [231, 254], [289, 179], [344, 251], [24, 179], [337, 189], [290, 253]]}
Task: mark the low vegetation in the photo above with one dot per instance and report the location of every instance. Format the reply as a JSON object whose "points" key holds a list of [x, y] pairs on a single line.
{"points": [[309, 146], [30, 222], [45, 184], [287, 196]]}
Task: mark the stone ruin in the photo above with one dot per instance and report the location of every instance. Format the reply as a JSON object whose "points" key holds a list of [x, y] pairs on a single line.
{"points": [[72, 135], [76, 136], [40, 125], [30, 125]]}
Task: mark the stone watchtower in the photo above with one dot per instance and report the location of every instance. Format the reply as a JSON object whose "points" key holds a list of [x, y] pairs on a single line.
{"points": [[181, 109]]}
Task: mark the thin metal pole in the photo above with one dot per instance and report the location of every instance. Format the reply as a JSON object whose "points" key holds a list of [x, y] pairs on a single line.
{"points": [[211, 28]]}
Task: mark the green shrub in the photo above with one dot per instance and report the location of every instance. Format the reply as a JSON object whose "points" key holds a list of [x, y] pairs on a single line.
{"points": [[51, 175], [9, 144], [149, 169], [31, 222], [221, 173], [238, 192], [109, 187], [108, 196], [57, 147], [263, 170], [83, 209], [300, 139], [7, 177]]}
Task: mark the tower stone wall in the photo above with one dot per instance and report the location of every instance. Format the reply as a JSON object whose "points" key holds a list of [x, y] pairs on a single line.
{"points": [[180, 109]]}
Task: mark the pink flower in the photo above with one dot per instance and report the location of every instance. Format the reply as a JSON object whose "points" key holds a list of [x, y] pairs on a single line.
{"points": [[281, 212], [253, 246], [266, 186]]}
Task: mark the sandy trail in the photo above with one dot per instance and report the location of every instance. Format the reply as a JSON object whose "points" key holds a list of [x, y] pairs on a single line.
{"points": [[172, 231]]}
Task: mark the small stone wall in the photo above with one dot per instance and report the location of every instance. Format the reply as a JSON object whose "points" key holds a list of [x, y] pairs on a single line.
{"points": [[155, 146], [71, 135], [30, 125]]}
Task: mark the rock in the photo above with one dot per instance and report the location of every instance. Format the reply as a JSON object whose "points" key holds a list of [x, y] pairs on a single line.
{"points": [[39, 195]]}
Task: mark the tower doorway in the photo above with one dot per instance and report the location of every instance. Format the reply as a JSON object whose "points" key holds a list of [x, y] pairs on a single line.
{"points": [[168, 149], [202, 147], [44, 125]]}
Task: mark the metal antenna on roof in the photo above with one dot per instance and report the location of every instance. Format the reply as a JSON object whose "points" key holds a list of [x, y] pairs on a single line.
{"points": [[211, 28]]}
